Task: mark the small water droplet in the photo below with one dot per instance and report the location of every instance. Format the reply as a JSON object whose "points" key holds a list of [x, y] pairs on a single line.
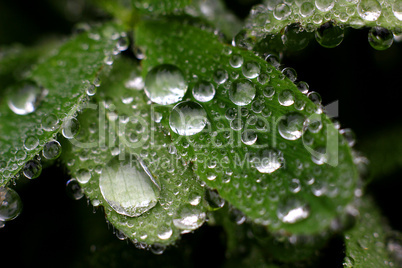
{"points": [[187, 118], [50, 122], [369, 10], [203, 91], [52, 150], [307, 9], [128, 186], [10, 204], [220, 76], [122, 43], [165, 233], [251, 69], [268, 160], [282, 12], [165, 84], [236, 61], [380, 38], [74, 190], [249, 137], [303, 87], [242, 92], [292, 210], [329, 34], [157, 248], [286, 97], [324, 5], [291, 126], [31, 143]]}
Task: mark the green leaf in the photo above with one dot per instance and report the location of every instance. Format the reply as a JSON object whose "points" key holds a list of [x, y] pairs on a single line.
{"points": [[160, 6], [294, 176], [278, 24], [121, 124], [366, 243], [384, 152], [57, 86]]}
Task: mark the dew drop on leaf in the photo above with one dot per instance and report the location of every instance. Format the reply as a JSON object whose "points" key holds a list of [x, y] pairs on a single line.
{"points": [[52, 150], [203, 91], [380, 38], [128, 186], [31, 143], [251, 69], [165, 84], [292, 210], [83, 175], [291, 126], [50, 122], [236, 61], [282, 12], [397, 9], [329, 35], [213, 200], [268, 160], [71, 128], [32, 169], [307, 9], [286, 97], [324, 5], [369, 10], [242, 92], [189, 218], [10, 204], [187, 118], [74, 190], [26, 98]]}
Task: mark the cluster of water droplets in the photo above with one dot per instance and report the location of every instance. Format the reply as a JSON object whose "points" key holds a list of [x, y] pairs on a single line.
{"points": [[325, 18]]}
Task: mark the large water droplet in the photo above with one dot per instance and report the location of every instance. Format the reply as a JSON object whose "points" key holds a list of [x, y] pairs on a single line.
{"points": [[187, 118], [10, 204], [329, 35], [74, 190], [26, 98], [52, 150], [369, 10], [128, 186], [204, 91], [292, 210], [32, 169], [189, 218], [291, 126], [380, 38], [242, 92], [268, 160], [165, 84], [295, 37], [324, 5]]}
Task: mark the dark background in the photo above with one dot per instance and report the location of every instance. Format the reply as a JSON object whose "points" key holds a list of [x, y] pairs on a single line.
{"points": [[54, 230]]}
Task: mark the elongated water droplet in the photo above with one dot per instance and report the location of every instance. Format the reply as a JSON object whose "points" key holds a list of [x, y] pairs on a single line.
{"points": [[268, 160], [214, 200], [10, 204], [128, 186], [380, 38], [189, 218], [369, 10], [52, 150], [329, 35], [203, 91], [242, 92], [187, 118], [165, 84], [291, 126], [26, 98], [292, 210]]}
